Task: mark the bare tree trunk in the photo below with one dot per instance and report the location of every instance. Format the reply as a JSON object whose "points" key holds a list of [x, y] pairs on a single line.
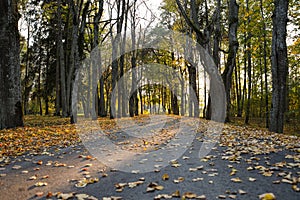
{"points": [[238, 88], [61, 60], [101, 100], [231, 59], [249, 69], [133, 100], [10, 86], [265, 64], [279, 66]]}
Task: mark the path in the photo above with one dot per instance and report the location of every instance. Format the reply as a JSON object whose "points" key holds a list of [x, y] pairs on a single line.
{"points": [[230, 171]]}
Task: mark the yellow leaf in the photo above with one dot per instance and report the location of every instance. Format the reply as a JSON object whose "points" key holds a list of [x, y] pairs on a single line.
{"points": [[189, 195], [267, 196], [236, 180], [165, 177]]}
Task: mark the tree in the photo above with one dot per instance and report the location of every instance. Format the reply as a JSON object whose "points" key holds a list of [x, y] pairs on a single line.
{"points": [[11, 114], [279, 66], [233, 46]]}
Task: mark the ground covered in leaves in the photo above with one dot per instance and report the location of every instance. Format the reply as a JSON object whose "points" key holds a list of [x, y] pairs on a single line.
{"points": [[46, 160]]}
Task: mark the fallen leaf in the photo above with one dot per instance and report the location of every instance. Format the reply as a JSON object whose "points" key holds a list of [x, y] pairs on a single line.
{"points": [[165, 177], [159, 187], [65, 196], [40, 184], [197, 179], [162, 196], [33, 177], [179, 180], [16, 167], [189, 195], [201, 197], [233, 171], [251, 179], [236, 180], [242, 192], [267, 196], [40, 162], [39, 194], [295, 188], [112, 198], [176, 194]]}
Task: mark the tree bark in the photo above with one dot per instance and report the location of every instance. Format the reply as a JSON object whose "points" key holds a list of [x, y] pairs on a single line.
{"points": [[249, 68], [279, 66], [265, 64], [10, 86], [61, 60], [233, 46]]}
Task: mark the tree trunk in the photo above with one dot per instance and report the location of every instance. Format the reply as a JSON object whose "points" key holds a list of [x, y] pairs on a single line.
{"points": [[10, 86], [231, 59], [279, 66], [249, 69], [265, 64], [61, 60], [133, 100]]}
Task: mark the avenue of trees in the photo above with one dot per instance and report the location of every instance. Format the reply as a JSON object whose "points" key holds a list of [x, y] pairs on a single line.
{"points": [[255, 46]]}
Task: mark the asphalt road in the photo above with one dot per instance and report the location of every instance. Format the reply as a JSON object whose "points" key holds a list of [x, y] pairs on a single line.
{"points": [[62, 168]]}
